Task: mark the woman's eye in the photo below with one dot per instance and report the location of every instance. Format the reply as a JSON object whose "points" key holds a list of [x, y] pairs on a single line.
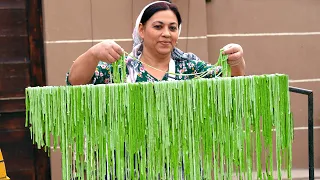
{"points": [[173, 28], [157, 27]]}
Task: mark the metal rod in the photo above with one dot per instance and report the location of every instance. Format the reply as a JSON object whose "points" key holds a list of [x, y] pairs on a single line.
{"points": [[310, 136], [300, 90], [310, 127]]}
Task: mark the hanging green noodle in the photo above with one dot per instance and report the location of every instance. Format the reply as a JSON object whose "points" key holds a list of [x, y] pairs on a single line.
{"points": [[222, 61], [168, 130], [119, 70]]}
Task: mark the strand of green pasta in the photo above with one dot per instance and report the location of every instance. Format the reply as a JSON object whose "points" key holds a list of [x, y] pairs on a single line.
{"points": [[119, 70], [185, 122], [206, 130], [223, 62]]}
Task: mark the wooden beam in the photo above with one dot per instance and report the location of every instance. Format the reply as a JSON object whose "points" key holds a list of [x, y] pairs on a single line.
{"points": [[37, 73]]}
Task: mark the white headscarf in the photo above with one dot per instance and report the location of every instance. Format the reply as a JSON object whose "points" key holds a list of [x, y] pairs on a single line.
{"points": [[137, 41]]}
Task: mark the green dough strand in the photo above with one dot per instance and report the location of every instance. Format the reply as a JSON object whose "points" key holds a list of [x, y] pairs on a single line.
{"points": [[223, 62], [119, 70], [220, 128]]}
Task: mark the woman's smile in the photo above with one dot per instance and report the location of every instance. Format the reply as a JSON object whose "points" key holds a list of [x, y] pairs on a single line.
{"points": [[165, 43]]}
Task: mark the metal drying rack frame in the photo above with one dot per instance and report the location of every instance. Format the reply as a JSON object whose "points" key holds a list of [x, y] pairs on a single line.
{"points": [[310, 127]]}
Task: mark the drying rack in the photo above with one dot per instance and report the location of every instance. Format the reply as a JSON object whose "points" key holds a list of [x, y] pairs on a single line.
{"points": [[309, 93]]}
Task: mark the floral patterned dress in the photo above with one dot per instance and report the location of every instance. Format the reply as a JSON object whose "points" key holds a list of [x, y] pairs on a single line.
{"points": [[185, 63]]}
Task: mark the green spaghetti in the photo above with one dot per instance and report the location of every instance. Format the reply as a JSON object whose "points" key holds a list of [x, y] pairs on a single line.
{"points": [[169, 130], [196, 129], [119, 70]]}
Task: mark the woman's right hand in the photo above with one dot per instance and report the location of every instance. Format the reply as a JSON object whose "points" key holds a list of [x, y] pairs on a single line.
{"points": [[107, 51]]}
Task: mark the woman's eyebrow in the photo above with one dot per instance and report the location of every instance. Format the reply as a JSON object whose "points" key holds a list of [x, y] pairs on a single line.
{"points": [[160, 22]]}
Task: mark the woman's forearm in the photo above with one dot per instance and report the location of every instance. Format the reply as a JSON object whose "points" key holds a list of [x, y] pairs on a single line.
{"points": [[83, 68], [239, 69]]}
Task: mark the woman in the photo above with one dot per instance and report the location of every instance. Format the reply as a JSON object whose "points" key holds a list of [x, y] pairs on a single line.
{"points": [[155, 36]]}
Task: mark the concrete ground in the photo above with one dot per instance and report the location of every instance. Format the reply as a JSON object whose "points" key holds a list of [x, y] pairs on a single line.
{"points": [[297, 174]]}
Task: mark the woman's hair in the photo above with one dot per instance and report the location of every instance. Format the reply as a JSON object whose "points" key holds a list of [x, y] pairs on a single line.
{"points": [[160, 6]]}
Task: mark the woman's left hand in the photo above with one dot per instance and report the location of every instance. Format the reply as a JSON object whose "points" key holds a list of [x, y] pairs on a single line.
{"points": [[234, 52], [235, 59]]}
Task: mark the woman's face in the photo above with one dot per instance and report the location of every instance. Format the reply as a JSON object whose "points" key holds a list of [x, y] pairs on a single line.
{"points": [[160, 33]]}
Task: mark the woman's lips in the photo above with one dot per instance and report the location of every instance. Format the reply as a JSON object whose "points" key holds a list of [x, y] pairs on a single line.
{"points": [[166, 43]]}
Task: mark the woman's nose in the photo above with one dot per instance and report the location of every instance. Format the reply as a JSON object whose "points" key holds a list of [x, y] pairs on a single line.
{"points": [[166, 32]]}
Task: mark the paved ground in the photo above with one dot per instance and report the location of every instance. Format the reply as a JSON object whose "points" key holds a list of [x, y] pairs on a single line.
{"points": [[298, 174]]}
